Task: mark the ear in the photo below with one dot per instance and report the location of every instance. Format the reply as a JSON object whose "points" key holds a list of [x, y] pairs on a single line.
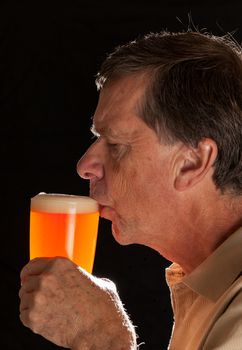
{"points": [[192, 164]]}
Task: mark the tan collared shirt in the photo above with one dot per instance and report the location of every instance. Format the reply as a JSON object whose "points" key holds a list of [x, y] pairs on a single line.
{"points": [[207, 303]]}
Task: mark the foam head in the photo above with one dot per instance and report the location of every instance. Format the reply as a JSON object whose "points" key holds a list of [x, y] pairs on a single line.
{"points": [[63, 203]]}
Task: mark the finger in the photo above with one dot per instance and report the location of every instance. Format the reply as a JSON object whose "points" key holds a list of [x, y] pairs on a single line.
{"points": [[24, 303], [31, 320], [32, 300], [24, 317], [27, 318], [30, 285], [34, 267], [26, 300]]}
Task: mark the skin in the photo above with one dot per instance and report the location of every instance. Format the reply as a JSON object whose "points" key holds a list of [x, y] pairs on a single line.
{"points": [[72, 308], [155, 194]]}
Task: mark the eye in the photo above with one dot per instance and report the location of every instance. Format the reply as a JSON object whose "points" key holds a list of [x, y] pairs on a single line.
{"points": [[113, 146], [117, 150]]}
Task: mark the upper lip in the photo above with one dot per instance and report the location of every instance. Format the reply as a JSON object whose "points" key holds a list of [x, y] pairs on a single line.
{"points": [[101, 204]]}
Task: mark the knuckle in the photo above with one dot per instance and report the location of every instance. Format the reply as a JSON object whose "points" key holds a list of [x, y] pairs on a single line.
{"points": [[33, 319], [39, 299], [60, 262], [47, 280]]}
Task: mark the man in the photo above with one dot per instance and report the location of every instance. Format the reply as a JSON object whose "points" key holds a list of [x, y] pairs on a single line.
{"points": [[166, 170]]}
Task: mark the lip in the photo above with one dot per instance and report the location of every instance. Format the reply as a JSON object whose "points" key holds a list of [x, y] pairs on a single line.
{"points": [[101, 207], [106, 212]]}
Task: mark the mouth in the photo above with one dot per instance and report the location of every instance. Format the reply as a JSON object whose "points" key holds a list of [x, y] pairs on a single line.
{"points": [[106, 212]]}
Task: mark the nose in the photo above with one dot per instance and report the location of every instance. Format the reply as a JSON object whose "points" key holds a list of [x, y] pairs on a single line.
{"points": [[90, 166]]}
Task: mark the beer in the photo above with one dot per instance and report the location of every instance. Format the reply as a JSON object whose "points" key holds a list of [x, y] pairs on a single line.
{"points": [[64, 225]]}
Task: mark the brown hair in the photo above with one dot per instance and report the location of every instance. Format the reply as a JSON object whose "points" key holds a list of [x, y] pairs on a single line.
{"points": [[194, 92]]}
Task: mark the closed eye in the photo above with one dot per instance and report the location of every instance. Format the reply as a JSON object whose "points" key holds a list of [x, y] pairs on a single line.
{"points": [[113, 147]]}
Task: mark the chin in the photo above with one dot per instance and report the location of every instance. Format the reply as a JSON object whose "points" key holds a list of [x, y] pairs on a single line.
{"points": [[120, 236]]}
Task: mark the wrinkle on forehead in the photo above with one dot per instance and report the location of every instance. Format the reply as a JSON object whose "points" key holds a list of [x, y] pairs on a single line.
{"points": [[119, 102]]}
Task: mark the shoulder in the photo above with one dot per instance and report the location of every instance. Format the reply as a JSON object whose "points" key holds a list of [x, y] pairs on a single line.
{"points": [[226, 333]]}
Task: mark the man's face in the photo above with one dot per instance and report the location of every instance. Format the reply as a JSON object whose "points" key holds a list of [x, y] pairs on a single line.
{"points": [[129, 168]]}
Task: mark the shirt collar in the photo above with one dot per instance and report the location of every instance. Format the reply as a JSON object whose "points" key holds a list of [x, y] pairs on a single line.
{"points": [[216, 273]]}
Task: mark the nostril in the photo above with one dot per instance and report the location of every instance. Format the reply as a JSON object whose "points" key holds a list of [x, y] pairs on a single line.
{"points": [[90, 168], [87, 175]]}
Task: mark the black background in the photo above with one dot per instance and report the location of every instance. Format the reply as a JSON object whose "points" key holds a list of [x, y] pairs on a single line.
{"points": [[49, 55]]}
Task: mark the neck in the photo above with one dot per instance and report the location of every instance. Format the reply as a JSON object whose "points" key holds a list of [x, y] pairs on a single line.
{"points": [[202, 228]]}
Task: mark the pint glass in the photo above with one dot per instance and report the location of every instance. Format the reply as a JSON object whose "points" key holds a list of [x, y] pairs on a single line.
{"points": [[64, 225]]}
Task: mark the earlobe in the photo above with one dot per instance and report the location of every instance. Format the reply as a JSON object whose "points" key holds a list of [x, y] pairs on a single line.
{"points": [[194, 163]]}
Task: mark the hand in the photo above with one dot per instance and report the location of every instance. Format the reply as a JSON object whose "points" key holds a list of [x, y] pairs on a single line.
{"points": [[72, 308]]}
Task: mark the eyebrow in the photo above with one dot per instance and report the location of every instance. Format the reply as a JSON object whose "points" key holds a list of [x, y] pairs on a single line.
{"points": [[107, 131], [94, 131]]}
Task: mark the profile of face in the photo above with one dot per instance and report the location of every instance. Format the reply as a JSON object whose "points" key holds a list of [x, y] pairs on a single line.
{"points": [[129, 168]]}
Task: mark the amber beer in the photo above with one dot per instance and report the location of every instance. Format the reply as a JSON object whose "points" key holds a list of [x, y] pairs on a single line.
{"points": [[64, 225]]}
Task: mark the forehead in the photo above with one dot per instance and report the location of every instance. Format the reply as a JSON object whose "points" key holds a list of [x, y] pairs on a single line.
{"points": [[119, 103]]}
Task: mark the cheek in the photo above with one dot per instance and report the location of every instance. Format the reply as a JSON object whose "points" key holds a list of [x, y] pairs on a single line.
{"points": [[121, 182], [147, 186], [138, 183]]}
